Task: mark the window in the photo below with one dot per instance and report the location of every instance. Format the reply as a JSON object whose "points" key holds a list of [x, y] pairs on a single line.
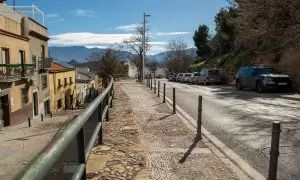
{"points": [[59, 83], [65, 82], [24, 96], [71, 80], [42, 51], [44, 79], [4, 56], [34, 61], [22, 57], [59, 104]]}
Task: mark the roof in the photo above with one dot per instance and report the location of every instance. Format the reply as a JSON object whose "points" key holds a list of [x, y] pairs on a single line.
{"points": [[64, 64], [59, 66]]}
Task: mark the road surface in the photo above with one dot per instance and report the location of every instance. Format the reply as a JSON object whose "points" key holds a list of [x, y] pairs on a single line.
{"points": [[243, 121]]}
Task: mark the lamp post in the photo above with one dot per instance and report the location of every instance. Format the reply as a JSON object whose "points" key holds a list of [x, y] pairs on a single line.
{"points": [[144, 45]]}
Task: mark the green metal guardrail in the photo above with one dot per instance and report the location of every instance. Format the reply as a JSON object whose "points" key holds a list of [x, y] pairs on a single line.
{"points": [[59, 159]]}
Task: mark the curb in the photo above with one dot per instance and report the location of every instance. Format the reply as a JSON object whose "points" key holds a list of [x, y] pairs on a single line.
{"points": [[230, 154]]}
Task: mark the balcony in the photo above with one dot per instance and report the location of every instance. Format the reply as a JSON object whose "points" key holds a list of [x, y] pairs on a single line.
{"points": [[15, 72], [44, 63]]}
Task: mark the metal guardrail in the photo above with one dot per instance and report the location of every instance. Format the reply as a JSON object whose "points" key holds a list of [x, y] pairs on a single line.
{"points": [[65, 157]]}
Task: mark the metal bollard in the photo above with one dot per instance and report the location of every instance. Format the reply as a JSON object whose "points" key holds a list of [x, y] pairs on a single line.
{"points": [[51, 115], [174, 102], [158, 89], [29, 122], [42, 118], [66, 109], [154, 85], [164, 99], [151, 84], [274, 152], [199, 123]]}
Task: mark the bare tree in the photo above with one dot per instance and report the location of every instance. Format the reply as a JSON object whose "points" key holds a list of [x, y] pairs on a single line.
{"points": [[177, 59], [135, 45]]}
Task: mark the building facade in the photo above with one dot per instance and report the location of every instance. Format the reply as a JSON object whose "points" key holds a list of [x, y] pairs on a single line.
{"points": [[38, 45], [62, 86], [16, 69]]}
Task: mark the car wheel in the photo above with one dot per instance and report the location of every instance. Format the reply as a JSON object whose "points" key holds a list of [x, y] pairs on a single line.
{"points": [[239, 85], [205, 82], [260, 87]]}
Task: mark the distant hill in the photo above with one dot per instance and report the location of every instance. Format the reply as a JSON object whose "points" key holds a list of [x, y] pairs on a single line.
{"points": [[80, 53]]}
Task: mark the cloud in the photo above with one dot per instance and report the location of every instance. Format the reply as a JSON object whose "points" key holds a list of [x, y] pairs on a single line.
{"points": [[85, 13], [101, 47], [87, 38], [53, 15], [169, 33], [91, 40], [129, 27]]}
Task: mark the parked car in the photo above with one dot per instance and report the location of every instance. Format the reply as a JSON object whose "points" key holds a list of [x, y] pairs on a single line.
{"points": [[179, 77], [196, 77], [208, 76], [159, 76], [191, 78], [172, 77], [261, 79], [186, 77]]}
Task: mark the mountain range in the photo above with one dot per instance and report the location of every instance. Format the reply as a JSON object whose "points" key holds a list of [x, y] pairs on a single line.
{"points": [[80, 53]]}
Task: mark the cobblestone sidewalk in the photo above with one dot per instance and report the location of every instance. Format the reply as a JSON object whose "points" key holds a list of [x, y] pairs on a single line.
{"points": [[121, 156], [144, 140], [173, 150]]}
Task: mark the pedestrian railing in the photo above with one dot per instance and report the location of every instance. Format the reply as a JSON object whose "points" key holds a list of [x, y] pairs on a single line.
{"points": [[66, 156]]}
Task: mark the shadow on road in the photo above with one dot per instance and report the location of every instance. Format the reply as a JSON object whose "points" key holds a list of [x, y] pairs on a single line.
{"points": [[189, 151]]}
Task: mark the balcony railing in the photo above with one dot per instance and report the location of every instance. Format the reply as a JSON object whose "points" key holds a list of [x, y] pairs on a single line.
{"points": [[13, 71], [44, 63]]}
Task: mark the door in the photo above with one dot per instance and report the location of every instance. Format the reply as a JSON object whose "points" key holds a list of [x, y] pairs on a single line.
{"points": [[35, 104], [4, 111], [47, 107]]}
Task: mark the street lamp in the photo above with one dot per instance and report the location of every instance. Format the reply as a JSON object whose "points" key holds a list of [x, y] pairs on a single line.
{"points": [[144, 46]]}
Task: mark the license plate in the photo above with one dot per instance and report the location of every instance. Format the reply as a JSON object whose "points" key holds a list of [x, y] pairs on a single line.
{"points": [[282, 84]]}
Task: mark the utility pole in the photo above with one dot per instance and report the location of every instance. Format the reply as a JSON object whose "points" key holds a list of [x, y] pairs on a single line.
{"points": [[144, 46]]}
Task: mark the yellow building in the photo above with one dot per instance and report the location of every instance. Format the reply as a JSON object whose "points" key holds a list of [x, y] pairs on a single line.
{"points": [[16, 69], [62, 86]]}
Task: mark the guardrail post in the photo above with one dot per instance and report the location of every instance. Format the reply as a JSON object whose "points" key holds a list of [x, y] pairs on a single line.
{"points": [[158, 89], [154, 85], [29, 122], [111, 103], [199, 123], [81, 150], [151, 83], [164, 99], [42, 118], [174, 101], [107, 113], [100, 139], [274, 152]]}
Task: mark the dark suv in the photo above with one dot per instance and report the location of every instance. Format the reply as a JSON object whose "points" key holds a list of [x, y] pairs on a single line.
{"points": [[261, 78]]}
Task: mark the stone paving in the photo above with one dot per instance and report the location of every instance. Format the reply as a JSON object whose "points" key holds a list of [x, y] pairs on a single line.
{"points": [[122, 155], [19, 144], [144, 140]]}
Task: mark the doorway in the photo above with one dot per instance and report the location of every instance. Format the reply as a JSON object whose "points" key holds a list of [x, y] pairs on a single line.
{"points": [[35, 104], [47, 107], [4, 111]]}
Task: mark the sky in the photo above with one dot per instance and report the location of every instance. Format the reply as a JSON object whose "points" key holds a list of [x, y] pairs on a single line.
{"points": [[100, 23]]}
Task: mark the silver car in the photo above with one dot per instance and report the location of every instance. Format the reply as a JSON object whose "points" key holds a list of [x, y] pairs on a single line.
{"points": [[208, 76], [195, 78], [179, 77], [186, 77]]}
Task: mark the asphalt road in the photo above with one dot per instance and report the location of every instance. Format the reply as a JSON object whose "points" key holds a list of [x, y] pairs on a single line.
{"points": [[243, 121]]}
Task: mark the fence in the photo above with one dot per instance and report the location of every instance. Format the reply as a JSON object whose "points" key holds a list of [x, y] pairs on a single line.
{"points": [[67, 154]]}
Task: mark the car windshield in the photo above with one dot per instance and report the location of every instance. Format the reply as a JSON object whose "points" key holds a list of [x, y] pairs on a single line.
{"points": [[214, 72], [188, 75], [264, 71]]}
